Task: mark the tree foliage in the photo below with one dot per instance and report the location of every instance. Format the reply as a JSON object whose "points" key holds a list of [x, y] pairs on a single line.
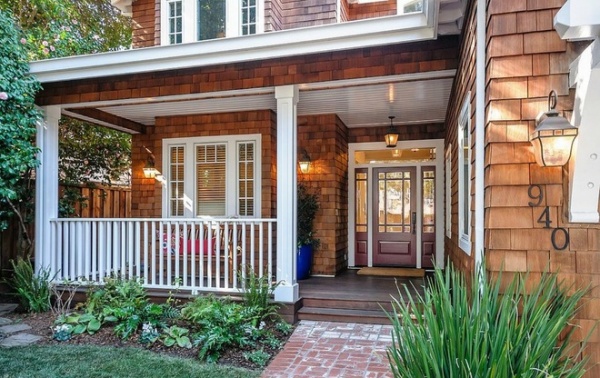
{"points": [[18, 117], [60, 28]]}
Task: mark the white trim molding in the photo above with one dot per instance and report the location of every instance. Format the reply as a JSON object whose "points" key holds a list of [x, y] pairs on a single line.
{"points": [[578, 19], [584, 173], [464, 191], [293, 42]]}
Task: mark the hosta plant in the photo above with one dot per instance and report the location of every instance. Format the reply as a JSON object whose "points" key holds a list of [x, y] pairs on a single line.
{"points": [[483, 329]]}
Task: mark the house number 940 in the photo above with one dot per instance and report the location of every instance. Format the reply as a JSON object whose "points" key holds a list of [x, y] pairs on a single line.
{"points": [[560, 236]]}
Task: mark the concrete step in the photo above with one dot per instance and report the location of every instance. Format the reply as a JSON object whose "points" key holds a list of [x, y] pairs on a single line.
{"points": [[7, 308]]}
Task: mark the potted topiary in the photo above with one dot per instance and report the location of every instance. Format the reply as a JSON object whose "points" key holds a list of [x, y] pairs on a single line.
{"points": [[308, 205]]}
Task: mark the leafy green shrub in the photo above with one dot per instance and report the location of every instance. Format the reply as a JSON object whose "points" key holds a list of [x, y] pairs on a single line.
{"points": [[221, 324], [125, 303], [80, 323], [177, 335], [258, 292], [33, 290], [477, 330], [258, 357]]}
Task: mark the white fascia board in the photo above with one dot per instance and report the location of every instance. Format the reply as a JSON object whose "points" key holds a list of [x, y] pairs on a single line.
{"points": [[325, 38], [584, 177], [578, 19]]}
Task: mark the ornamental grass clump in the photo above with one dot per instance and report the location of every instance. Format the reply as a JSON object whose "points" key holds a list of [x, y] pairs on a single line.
{"points": [[460, 329]]}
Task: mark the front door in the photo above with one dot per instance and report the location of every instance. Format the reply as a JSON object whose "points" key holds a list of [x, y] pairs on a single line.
{"points": [[394, 216]]}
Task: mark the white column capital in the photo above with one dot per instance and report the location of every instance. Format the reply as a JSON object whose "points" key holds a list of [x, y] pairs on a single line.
{"points": [[287, 92]]}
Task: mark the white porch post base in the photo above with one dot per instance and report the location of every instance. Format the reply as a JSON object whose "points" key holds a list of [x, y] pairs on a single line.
{"points": [[46, 188], [287, 99], [287, 293]]}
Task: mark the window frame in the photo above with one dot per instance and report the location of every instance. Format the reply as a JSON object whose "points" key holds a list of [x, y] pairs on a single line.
{"points": [[232, 174], [464, 193], [448, 188], [233, 20]]}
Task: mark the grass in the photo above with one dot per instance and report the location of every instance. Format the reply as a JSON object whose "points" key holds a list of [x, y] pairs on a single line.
{"points": [[99, 362]]}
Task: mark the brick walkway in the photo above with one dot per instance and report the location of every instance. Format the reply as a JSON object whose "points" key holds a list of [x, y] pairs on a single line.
{"points": [[328, 349]]}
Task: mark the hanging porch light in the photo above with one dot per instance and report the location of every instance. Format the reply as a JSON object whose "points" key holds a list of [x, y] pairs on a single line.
{"points": [[391, 137], [553, 137], [304, 162]]}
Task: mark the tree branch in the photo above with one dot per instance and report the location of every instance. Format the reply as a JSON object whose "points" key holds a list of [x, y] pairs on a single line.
{"points": [[21, 222]]}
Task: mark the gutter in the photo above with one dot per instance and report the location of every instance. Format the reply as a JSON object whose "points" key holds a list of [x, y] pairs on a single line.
{"points": [[480, 133]]}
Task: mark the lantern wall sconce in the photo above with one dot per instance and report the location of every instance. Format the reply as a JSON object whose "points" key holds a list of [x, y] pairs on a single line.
{"points": [[304, 162], [149, 170], [391, 137], [553, 137]]}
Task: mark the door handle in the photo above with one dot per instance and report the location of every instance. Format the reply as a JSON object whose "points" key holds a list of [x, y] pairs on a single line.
{"points": [[414, 222]]}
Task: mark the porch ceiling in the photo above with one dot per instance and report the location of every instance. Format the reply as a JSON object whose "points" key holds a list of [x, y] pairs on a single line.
{"points": [[417, 98]]}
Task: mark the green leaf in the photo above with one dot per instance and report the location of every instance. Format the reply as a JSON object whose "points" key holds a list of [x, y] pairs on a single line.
{"points": [[93, 326], [169, 341], [184, 342], [79, 329]]}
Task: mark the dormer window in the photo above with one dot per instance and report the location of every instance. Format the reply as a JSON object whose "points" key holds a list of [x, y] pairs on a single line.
{"points": [[198, 20]]}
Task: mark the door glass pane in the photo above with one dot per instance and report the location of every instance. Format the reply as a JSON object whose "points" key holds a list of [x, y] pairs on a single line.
{"points": [[428, 200], [361, 202], [211, 19], [394, 202]]}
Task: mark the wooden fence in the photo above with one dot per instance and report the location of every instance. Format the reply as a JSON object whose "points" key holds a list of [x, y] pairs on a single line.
{"points": [[102, 202]]}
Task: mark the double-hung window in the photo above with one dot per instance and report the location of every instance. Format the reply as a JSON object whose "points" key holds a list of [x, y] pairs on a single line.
{"points": [[212, 176], [198, 20], [464, 176]]}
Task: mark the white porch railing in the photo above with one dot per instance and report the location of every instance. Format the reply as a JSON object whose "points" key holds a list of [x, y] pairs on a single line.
{"points": [[195, 254]]}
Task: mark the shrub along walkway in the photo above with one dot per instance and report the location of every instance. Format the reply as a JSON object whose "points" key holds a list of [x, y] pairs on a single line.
{"points": [[328, 349], [13, 334]]}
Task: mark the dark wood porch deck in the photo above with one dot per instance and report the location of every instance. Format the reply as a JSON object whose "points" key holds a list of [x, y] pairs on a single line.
{"points": [[349, 297]]}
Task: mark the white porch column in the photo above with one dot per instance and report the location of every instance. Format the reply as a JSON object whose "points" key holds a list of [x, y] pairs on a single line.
{"points": [[287, 140], [46, 188]]}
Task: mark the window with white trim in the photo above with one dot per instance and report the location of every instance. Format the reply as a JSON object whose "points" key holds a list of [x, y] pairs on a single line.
{"points": [[464, 175], [212, 176], [197, 20], [449, 192]]}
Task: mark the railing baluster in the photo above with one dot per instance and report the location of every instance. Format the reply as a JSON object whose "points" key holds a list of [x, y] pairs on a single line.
{"points": [[203, 254], [261, 247], [177, 253], [144, 261], [169, 253], [270, 252], [154, 251], [193, 253], [162, 246], [252, 261]]}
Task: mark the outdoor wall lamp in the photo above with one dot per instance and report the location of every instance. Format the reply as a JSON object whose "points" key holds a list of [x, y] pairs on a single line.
{"points": [[149, 170], [553, 136], [391, 137], [304, 162]]}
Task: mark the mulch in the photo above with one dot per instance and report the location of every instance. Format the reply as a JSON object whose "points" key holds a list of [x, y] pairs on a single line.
{"points": [[42, 324]]}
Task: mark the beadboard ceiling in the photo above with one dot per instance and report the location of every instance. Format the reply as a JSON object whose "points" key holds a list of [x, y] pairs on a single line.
{"points": [[357, 104]]}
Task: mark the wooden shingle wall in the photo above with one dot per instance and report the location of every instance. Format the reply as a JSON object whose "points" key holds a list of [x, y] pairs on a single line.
{"points": [[358, 11], [426, 56], [146, 23], [146, 198], [464, 86], [526, 59], [325, 139]]}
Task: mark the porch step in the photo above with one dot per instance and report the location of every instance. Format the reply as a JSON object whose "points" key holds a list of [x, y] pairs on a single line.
{"points": [[348, 304], [343, 315]]}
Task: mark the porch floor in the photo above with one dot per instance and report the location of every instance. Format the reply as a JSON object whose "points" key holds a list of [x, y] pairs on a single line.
{"points": [[349, 297]]}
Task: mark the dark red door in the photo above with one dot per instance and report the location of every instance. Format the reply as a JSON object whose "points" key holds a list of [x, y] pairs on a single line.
{"points": [[394, 217]]}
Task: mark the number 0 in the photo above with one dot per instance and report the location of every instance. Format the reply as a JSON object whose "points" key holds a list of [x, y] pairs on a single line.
{"points": [[566, 240]]}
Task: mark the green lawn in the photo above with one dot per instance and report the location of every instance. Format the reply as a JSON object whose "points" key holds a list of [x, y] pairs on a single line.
{"points": [[100, 362]]}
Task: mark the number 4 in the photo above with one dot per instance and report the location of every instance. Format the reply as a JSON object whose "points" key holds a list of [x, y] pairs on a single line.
{"points": [[545, 217]]}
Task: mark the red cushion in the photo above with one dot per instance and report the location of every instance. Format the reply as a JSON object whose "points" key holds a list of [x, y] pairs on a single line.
{"points": [[206, 244]]}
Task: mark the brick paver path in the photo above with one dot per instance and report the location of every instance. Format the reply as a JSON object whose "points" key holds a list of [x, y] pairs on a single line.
{"points": [[328, 349]]}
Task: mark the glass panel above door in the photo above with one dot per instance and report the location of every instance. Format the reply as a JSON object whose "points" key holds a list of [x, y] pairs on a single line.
{"points": [[393, 156]]}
